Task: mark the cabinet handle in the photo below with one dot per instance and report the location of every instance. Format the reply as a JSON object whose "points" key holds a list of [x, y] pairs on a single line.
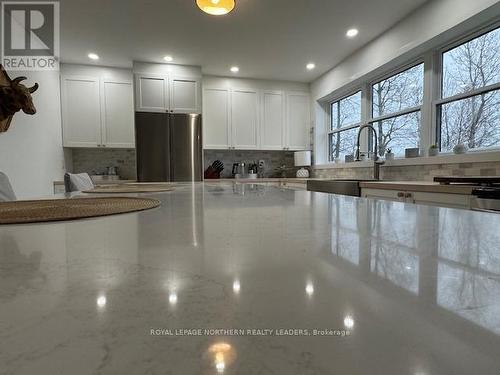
{"points": [[401, 194], [408, 195]]}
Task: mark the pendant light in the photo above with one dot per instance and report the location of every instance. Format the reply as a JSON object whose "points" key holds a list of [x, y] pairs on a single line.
{"points": [[216, 7]]}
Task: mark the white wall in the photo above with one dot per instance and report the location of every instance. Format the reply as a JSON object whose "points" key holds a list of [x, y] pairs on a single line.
{"points": [[178, 70], [435, 23], [31, 152], [247, 83], [98, 71]]}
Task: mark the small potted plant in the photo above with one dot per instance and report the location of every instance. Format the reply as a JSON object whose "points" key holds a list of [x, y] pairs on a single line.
{"points": [[461, 148], [389, 155], [433, 150]]}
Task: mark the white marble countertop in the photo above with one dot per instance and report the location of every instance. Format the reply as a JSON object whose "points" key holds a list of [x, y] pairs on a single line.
{"points": [[407, 289]]}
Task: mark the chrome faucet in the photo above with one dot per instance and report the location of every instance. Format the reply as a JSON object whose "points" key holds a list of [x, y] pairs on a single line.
{"points": [[376, 160]]}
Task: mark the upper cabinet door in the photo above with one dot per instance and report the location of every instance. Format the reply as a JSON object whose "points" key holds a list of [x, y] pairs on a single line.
{"points": [[273, 121], [298, 121], [185, 95], [216, 125], [152, 93], [81, 111], [118, 114], [245, 119]]}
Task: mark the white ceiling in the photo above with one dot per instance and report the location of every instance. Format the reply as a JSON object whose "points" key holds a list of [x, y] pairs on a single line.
{"points": [[271, 39]]}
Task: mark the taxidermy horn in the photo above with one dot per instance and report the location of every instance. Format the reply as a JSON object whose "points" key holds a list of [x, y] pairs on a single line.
{"points": [[19, 79], [33, 88]]}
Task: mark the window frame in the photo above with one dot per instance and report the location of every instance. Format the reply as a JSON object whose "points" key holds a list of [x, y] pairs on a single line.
{"points": [[389, 116], [430, 115], [395, 72], [329, 131], [439, 102]]}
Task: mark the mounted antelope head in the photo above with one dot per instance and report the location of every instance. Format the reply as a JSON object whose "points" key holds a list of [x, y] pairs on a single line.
{"points": [[14, 97]]}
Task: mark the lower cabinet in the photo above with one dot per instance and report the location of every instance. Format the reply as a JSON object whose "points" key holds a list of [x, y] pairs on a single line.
{"points": [[416, 197]]}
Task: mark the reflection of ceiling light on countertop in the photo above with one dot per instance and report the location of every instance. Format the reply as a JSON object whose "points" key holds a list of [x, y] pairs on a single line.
{"points": [[310, 289], [223, 355], [172, 298], [236, 286], [235, 69], [348, 322], [216, 7], [101, 301], [168, 58], [93, 56]]}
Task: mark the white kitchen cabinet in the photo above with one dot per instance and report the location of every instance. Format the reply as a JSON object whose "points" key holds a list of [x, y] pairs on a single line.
{"points": [[216, 118], [298, 121], [272, 129], [97, 112], [390, 195], [441, 199], [185, 95], [81, 111], [151, 93], [164, 93], [244, 119], [417, 197], [118, 114], [258, 119]]}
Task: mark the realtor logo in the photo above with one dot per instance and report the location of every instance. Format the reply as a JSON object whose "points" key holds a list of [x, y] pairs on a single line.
{"points": [[30, 35]]}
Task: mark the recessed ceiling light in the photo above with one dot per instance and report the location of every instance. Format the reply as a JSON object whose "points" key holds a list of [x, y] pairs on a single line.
{"points": [[168, 58], [235, 69], [311, 66], [93, 56], [216, 7], [351, 33]]}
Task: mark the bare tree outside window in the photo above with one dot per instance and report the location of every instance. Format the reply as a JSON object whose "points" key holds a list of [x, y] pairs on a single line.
{"points": [[475, 120], [345, 114], [395, 94]]}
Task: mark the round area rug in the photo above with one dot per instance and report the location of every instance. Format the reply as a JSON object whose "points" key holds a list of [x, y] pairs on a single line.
{"points": [[21, 212], [131, 188]]}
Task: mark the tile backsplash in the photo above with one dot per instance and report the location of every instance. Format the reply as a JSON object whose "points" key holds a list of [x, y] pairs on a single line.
{"points": [[414, 172], [272, 159], [95, 161]]}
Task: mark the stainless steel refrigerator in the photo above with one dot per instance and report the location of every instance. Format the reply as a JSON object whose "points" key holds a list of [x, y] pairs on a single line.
{"points": [[169, 147]]}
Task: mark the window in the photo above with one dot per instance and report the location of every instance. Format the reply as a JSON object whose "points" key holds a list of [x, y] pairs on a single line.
{"points": [[410, 109], [469, 109], [345, 121], [399, 133], [396, 107]]}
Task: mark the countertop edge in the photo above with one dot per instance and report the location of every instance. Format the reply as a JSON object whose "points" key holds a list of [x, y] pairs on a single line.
{"points": [[429, 187]]}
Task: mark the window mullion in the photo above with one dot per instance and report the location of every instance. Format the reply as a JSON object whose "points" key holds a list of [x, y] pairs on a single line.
{"points": [[366, 100], [427, 135]]}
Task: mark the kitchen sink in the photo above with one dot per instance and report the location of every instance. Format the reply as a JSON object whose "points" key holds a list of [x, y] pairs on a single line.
{"points": [[342, 187]]}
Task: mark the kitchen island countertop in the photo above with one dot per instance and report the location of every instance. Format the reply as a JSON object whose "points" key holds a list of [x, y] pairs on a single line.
{"points": [[254, 280]]}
